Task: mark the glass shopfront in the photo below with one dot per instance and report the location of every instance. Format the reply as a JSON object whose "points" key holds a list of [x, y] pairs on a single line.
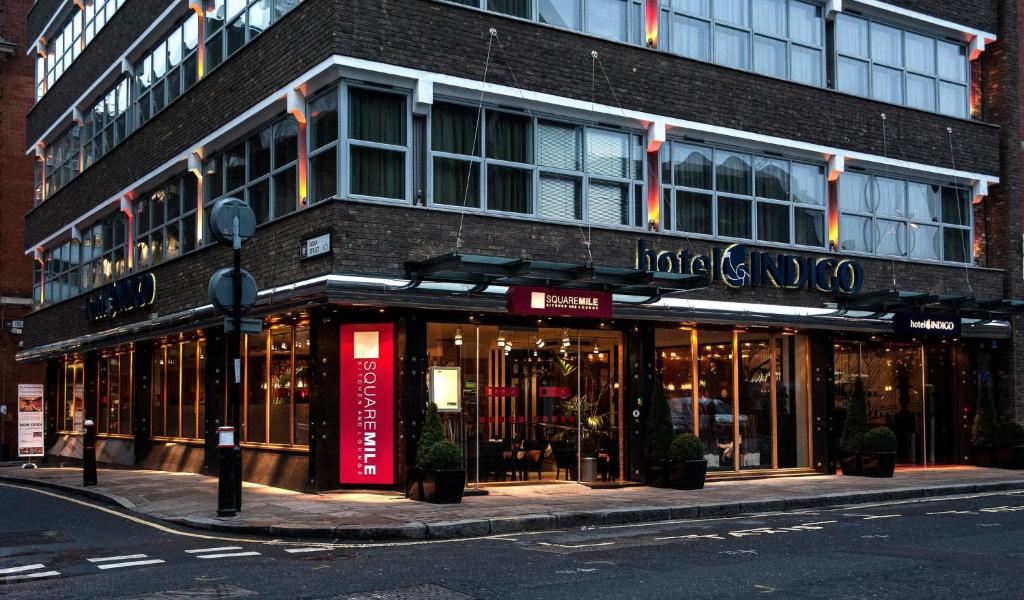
{"points": [[744, 393], [535, 404]]}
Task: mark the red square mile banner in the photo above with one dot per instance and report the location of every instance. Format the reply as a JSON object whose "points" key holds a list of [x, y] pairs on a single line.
{"points": [[367, 404]]}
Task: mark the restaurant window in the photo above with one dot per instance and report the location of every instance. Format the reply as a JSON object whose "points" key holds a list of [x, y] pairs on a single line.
{"points": [[115, 394], [104, 250], [63, 160], [106, 125], [895, 217], [167, 70], [779, 38], [277, 378], [879, 61], [61, 272], [620, 20], [231, 24], [165, 222], [178, 399], [729, 194], [260, 169], [71, 400], [745, 394], [514, 163]]}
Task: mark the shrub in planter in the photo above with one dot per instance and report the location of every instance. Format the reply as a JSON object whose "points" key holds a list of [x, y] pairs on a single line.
{"points": [[983, 429], [878, 452], [444, 476], [421, 480], [1009, 442], [854, 429], [689, 467], [658, 437]]}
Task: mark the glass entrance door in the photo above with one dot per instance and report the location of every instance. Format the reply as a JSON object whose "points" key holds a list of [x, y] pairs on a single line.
{"points": [[538, 404]]}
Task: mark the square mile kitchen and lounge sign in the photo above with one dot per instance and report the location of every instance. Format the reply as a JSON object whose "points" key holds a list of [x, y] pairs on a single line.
{"points": [[558, 302], [367, 396]]}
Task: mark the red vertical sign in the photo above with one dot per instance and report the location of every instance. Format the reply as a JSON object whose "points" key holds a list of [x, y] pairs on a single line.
{"points": [[367, 404]]}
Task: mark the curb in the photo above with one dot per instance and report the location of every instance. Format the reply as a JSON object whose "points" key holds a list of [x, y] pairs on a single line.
{"points": [[475, 528]]}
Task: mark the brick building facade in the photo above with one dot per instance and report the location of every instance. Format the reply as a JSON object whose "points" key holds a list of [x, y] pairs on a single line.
{"points": [[548, 149]]}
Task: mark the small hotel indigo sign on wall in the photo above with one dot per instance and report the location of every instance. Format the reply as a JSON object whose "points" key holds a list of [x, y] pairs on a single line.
{"points": [[367, 404], [545, 302]]}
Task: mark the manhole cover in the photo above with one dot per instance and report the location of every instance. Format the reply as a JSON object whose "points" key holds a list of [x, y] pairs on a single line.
{"points": [[419, 592]]}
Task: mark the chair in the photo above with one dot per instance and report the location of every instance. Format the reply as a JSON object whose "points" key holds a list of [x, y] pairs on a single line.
{"points": [[565, 459], [492, 461], [533, 460]]}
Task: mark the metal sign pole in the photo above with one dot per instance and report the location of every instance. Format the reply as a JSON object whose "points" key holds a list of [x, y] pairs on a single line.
{"points": [[236, 345]]}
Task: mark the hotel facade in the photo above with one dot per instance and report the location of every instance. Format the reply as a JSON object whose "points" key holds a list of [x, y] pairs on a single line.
{"points": [[532, 212]]}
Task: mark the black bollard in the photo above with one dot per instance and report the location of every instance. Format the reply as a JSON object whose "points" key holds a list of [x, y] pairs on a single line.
{"points": [[226, 501], [89, 454]]}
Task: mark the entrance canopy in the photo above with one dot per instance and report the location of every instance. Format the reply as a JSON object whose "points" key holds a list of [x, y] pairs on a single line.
{"points": [[485, 271], [893, 301]]}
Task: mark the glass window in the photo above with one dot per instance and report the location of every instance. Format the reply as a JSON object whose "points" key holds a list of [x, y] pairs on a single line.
{"points": [[245, 19], [167, 70], [900, 67], [170, 230], [63, 160], [896, 217], [378, 146]]}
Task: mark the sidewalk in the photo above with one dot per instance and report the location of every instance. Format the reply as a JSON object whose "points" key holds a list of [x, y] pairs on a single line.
{"points": [[190, 500]]}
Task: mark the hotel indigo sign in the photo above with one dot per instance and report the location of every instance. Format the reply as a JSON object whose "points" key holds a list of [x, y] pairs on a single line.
{"points": [[734, 267], [121, 297], [556, 302], [367, 404]]}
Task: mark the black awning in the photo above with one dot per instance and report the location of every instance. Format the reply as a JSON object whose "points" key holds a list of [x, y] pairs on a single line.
{"points": [[896, 301], [484, 271]]}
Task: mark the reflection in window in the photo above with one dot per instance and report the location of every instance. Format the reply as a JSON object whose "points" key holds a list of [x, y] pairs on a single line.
{"points": [[897, 217], [63, 160], [167, 70], [106, 125], [586, 174], [104, 251], [901, 67], [165, 222], [231, 24], [730, 194], [620, 20]]}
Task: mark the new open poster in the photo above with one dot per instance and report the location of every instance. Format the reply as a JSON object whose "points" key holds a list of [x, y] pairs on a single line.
{"points": [[30, 420], [367, 404]]}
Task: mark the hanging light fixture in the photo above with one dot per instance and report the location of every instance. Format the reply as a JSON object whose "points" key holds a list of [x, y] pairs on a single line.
{"points": [[540, 343], [565, 338], [458, 337], [501, 340]]}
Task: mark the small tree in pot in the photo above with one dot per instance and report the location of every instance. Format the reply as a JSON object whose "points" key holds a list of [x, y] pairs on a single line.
{"points": [[436, 470], [984, 427], [1009, 441], [689, 467], [854, 428], [878, 452], [658, 439]]}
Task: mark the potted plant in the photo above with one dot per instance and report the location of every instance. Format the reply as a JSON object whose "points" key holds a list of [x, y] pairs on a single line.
{"points": [[855, 427], [439, 475], [1009, 441], [658, 439], [592, 423], [878, 453], [983, 429], [689, 467]]}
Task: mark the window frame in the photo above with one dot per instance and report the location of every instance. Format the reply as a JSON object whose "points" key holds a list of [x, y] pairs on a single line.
{"points": [[114, 253], [637, 183], [101, 131], [104, 426], [142, 236], [635, 19], [268, 359], [146, 94], [217, 26], [904, 70], [160, 360]]}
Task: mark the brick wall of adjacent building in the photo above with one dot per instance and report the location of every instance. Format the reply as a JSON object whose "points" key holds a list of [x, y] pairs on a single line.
{"points": [[17, 89]]}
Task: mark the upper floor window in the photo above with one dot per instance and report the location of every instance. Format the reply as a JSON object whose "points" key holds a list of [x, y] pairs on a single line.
{"points": [[63, 48], [516, 163], [231, 24], [911, 219], [260, 169], [97, 13], [879, 61], [167, 70], [620, 20], [60, 275], [106, 125], [165, 222], [63, 160], [780, 38], [104, 251], [725, 193]]}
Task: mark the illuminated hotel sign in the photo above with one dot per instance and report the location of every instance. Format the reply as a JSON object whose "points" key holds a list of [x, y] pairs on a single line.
{"points": [[920, 324], [121, 296], [737, 268]]}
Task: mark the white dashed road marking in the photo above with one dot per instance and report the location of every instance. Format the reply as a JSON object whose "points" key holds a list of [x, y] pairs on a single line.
{"points": [[221, 549], [20, 569], [301, 550], [116, 558], [228, 555], [13, 578], [133, 563], [13, 574]]}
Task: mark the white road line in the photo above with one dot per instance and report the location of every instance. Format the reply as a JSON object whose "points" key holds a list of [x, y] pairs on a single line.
{"points": [[11, 578], [221, 549], [873, 517], [299, 550], [21, 569], [577, 545], [134, 563], [113, 558], [229, 555]]}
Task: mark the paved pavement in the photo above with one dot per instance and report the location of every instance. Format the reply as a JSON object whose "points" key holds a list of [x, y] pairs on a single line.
{"points": [[935, 548], [191, 500]]}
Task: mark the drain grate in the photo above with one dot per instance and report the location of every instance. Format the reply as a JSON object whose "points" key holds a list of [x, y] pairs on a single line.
{"points": [[427, 591]]}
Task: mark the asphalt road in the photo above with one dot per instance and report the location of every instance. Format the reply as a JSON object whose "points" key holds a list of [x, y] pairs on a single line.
{"points": [[969, 546]]}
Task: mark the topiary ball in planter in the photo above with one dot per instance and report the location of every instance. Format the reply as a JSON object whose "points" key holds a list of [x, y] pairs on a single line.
{"points": [[878, 452], [689, 468], [444, 478]]}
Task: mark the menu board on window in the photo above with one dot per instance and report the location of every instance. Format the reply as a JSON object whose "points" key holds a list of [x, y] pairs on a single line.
{"points": [[367, 404], [30, 420]]}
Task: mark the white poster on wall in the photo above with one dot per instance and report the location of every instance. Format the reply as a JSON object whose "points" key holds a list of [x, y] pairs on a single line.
{"points": [[30, 420]]}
